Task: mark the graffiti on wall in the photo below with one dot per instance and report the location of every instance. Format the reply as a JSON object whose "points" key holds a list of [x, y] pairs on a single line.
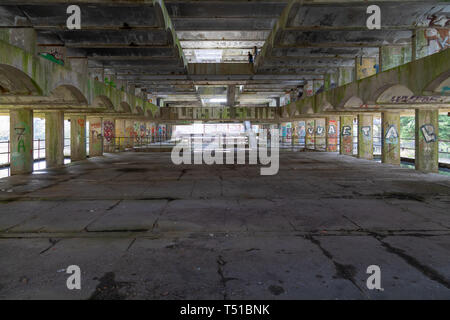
{"points": [[437, 34], [428, 133], [366, 131], [391, 136], [419, 99], [332, 136], [108, 130]]}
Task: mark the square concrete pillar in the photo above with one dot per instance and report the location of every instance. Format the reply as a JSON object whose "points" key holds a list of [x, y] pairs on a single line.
{"points": [[54, 138], [346, 136], [95, 137], [130, 133], [120, 134], [21, 133], [320, 140], [310, 134], [77, 138], [427, 140], [331, 129], [109, 133], [365, 136], [390, 137]]}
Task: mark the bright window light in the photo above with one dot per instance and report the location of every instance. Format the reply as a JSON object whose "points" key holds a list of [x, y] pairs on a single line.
{"points": [[217, 100]]}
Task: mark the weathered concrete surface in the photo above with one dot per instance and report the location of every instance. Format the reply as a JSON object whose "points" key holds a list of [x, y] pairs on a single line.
{"points": [[21, 132], [427, 140], [365, 136], [77, 138], [390, 137], [141, 228], [54, 135]]}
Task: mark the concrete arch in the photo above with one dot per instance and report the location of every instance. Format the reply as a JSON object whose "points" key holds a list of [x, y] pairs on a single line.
{"points": [[124, 107], [292, 111], [139, 110], [324, 105], [440, 85], [103, 102], [308, 110], [284, 112], [387, 92], [353, 102], [149, 113], [15, 82], [69, 93]]}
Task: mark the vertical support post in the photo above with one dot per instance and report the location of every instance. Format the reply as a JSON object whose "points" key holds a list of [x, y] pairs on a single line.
{"points": [[95, 137], [331, 129], [108, 129], [346, 136], [54, 138], [120, 133], [310, 134], [390, 151], [427, 140], [77, 138], [320, 138], [21, 133], [365, 136]]}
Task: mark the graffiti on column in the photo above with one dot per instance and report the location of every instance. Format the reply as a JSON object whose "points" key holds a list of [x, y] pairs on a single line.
{"points": [[332, 136], [320, 131], [108, 130], [143, 129], [310, 139], [347, 139], [391, 136], [391, 140], [18, 156], [366, 131], [428, 133], [438, 34], [20, 136]]}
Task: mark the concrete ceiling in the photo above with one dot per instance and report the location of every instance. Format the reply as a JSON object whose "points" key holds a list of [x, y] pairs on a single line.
{"points": [[300, 40]]}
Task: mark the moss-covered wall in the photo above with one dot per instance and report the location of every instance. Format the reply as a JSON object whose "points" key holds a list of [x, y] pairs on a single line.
{"points": [[48, 76]]}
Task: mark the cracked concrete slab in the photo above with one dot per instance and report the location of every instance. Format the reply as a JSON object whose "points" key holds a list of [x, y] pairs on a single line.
{"points": [[151, 230]]}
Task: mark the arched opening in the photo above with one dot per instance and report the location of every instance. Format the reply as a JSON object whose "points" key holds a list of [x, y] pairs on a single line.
{"points": [[103, 102], [68, 93], [15, 82], [125, 107]]}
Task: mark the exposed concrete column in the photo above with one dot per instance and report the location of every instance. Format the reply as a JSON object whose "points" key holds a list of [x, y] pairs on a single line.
{"points": [[364, 67], [21, 133], [390, 137], [331, 129], [80, 65], [24, 38], [231, 100], [54, 138], [427, 141], [308, 89], [95, 137], [77, 138], [310, 134], [365, 136], [109, 133], [346, 75], [394, 56], [320, 140], [346, 136], [130, 133], [119, 125]]}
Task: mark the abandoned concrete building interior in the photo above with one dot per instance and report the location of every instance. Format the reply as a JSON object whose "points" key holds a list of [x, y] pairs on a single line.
{"points": [[213, 149]]}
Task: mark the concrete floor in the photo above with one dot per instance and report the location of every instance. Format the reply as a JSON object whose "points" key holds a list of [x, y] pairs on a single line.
{"points": [[140, 227]]}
